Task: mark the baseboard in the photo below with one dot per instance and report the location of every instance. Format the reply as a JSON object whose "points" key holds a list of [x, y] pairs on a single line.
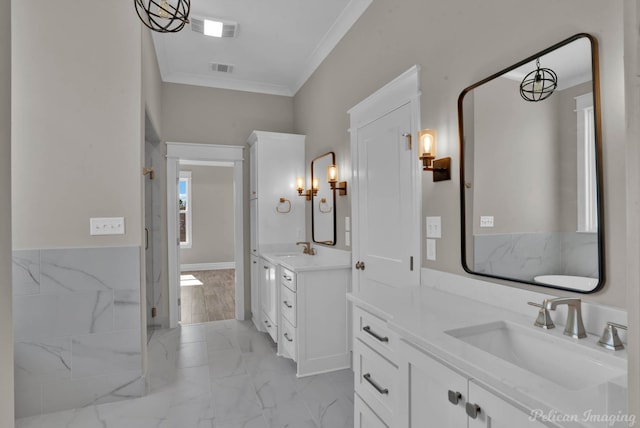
{"points": [[207, 266]]}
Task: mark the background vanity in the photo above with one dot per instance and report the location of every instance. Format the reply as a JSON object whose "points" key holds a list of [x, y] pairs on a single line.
{"points": [[298, 299]]}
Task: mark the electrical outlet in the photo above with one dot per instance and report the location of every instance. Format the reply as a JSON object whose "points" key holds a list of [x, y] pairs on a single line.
{"points": [[486, 221]]}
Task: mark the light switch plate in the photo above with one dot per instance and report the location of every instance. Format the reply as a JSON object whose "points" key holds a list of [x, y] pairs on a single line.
{"points": [[486, 221], [106, 225], [434, 227], [431, 249]]}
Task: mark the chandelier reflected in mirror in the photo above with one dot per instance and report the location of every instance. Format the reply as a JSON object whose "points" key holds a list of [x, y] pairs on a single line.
{"points": [[163, 16], [538, 84]]}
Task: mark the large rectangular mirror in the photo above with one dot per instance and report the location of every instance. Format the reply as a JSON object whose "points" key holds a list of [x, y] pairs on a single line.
{"points": [[530, 172], [323, 213]]}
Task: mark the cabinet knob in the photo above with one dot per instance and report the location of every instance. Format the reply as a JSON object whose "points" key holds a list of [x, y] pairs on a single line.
{"points": [[454, 397], [473, 410]]}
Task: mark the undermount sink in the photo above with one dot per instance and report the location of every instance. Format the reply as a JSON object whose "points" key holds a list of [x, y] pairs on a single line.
{"points": [[556, 359], [289, 255]]}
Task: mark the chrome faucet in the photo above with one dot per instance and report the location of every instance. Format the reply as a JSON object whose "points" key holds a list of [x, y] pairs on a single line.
{"points": [[574, 326], [307, 248]]}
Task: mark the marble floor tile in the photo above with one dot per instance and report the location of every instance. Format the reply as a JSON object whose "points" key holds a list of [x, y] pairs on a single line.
{"points": [[221, 374]]}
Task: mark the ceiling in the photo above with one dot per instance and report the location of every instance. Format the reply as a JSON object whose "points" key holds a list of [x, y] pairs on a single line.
{"points": [[278, 43]]}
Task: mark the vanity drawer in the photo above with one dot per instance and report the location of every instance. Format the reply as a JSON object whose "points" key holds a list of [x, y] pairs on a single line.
{"points": [[376, 381], [364, 417], [270, 327], [288, 278], [288, 340], [374, 332], [288, 304]]}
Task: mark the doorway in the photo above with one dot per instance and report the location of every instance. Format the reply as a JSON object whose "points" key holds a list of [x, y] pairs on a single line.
{"points": [[207, 242], [203, 155]]}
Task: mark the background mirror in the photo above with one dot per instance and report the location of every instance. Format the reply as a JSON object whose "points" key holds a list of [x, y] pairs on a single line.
{"points": [[323, 214], [530, 186]]}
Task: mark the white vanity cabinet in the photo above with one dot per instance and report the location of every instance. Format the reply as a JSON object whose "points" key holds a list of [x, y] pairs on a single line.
{"points": [[269, 297], [277, 213], [313, 318], [432, 391], [375, 369]]}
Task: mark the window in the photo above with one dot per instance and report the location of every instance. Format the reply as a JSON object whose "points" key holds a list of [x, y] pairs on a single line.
{"points": [[184, 207], [587, 184]]}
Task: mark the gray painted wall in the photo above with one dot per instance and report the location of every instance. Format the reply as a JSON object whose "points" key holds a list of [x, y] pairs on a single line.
{"points": [[6, 323], [77, 123], [212, 216], [393, 35]]}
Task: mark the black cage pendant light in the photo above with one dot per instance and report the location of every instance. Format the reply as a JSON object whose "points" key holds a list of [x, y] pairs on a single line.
{"points": [[163, 16], [539, 84]]}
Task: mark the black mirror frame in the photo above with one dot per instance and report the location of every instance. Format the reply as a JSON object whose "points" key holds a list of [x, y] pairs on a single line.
{"points": [[313, 198], [599, 184]]}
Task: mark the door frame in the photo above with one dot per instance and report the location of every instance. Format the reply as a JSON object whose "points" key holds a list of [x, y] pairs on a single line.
{"points": [[207, 153], [404, 89]]}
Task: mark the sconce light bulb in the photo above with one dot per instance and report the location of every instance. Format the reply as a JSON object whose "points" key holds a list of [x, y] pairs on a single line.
{"points": [[427, 143], [332, 173]]}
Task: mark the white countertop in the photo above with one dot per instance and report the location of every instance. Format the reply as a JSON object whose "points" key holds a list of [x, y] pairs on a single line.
{"points": [[421, 315], [299, 262]]}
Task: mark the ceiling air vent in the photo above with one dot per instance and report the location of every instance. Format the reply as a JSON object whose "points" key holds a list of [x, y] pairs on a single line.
{"points": [[229, 29], [221, 68], [197, 25]]}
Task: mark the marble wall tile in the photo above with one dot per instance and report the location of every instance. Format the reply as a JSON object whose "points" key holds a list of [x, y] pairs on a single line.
{"points": [[42, 359], [126, 309], [84, 269], [76, 319], [525, 255], [26, 272], [518, 255], [27, 396], [580, 254], [55, 315], [106, 353]]}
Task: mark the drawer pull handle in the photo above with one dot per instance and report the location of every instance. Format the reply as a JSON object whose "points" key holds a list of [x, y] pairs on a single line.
{"points": [[367, 329], [287, 304], [472, 410], [378, 388], [286, 336], [287, 277], [454, 397]]}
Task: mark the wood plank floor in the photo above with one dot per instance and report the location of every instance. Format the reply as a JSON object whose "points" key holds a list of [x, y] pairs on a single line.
{"points": [[214, 300]]}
